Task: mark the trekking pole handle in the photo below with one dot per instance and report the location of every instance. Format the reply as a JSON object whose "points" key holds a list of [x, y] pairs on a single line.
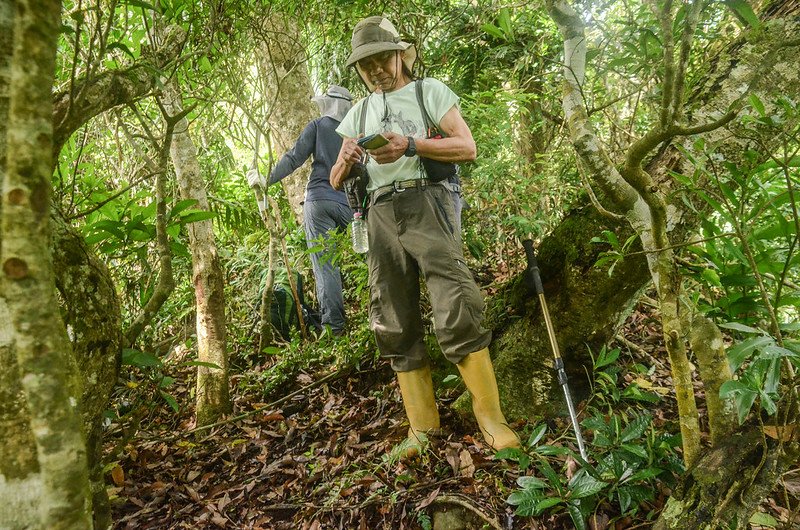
{"points": [[533, 267]]}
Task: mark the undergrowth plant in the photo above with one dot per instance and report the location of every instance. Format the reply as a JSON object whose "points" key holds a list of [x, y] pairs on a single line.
{"points": [[629, 456]]}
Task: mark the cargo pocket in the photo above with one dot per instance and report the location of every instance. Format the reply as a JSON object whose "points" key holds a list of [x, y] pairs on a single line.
{"points": [[443, 213]]}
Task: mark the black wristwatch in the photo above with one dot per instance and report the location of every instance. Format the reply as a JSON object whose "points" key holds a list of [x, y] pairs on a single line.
{"points": [[411, 150]]}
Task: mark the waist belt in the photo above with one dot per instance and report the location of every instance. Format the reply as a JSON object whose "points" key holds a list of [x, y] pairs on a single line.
{"points": [[384, 192]]}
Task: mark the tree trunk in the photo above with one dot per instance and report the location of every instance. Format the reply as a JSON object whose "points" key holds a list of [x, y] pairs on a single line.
{"points": [[40, 344], [283, 67], [91, 311], [726, 485], [20, 481], [213, 399]]}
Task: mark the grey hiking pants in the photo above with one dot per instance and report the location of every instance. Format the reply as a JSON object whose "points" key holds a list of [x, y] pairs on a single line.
{"points": [[320, 218]]}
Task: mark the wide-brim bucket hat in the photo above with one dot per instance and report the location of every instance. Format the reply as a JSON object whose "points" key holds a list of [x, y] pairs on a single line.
{"points": [[377, 34]]}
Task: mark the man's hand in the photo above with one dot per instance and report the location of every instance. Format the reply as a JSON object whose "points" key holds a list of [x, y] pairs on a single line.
{"points": [[349, 154], [392, 151]]}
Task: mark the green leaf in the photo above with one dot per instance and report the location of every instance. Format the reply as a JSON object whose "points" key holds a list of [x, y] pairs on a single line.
{"points": [[552, 450], [180, 206], [193, 216], [636, 450], [123, 47], [741, 351], [644, 474], [763, 519], [739, 327], [636, 428], [170, 401], [504, 21], [768, 404], [450, 379], [139, 3], [584, 485], [624, 497], [140, 359], [492, 30], [549, 502], [711, 276], [537, 435], [202, 363], [744, 12], [531, 482], [744, 402], [606, 357], [576, 515]]}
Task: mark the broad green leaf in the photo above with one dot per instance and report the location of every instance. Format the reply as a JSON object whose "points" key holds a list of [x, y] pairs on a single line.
{"points": [[741, 351], [636, 450], [576, 515], [644, 474], [756, 103], [549, 502], [122, 47], [711, 276], [170, 401], [193, 216], [744, 12], [636, 428], [537, 434], [492, 30], [180, 206], [140, 3], [606, 357], [584, 485], [504, 21], [739, 327], [531, 482], [763, 519], [139, 359]]}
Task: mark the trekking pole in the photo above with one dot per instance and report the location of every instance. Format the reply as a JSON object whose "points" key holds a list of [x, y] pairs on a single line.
{"points": [[536, 281]]}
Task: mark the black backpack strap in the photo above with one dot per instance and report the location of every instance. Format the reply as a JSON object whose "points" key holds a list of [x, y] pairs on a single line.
{"points": [[429, 124], [363, 121]]}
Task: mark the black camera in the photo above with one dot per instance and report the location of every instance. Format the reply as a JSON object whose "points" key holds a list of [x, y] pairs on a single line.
{"points": [[355, 186]]}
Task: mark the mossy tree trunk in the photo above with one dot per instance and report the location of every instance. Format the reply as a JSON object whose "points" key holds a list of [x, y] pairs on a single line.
{"points": [[59, 488], [728, 482], [91, 311]]}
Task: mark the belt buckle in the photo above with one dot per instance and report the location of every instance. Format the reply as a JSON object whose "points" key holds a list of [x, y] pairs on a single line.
{"points": [[396, 185]]}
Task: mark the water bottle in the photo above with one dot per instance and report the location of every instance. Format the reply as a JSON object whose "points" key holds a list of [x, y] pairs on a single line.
{"points": [[359, 228]]}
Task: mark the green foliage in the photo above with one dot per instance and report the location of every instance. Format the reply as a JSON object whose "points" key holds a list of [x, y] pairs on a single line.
{"points": [[147, 375], [747, 264], [631, 457], [616, 254]]}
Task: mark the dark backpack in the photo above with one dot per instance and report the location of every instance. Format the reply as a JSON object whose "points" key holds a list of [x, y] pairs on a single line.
{"points": [[283, 312]]}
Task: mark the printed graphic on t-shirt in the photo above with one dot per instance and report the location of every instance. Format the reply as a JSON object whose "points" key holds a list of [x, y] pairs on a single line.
{"points": [[396, 120]]}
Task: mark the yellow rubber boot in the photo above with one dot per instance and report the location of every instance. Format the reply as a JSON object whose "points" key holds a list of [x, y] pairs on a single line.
{"points": [[416, 387], [478, 374]]}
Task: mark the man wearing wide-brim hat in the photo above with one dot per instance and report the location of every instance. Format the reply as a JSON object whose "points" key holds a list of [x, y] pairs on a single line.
{"points": [[412, 231]]}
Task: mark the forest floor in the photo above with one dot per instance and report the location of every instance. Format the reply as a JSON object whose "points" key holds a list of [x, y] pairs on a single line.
{"points": [[319, 460]]}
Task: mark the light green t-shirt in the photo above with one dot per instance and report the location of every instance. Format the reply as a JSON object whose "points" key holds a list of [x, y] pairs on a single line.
{"points": [[398, 112]]}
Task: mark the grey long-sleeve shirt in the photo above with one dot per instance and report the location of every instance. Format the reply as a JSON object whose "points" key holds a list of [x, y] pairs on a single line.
{"points": [[319, 139]]}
